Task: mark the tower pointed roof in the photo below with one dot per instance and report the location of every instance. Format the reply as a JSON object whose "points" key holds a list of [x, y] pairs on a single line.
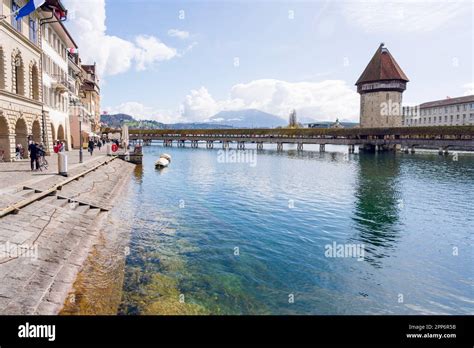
{"points": [[382, 66]]}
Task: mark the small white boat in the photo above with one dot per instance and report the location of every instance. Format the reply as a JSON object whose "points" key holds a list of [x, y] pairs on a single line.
{"points": [[166, 156], [162, 163]]}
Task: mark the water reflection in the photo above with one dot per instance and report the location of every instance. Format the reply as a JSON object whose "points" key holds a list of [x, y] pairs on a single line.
{"points": [[138, 174], [378, 201]]}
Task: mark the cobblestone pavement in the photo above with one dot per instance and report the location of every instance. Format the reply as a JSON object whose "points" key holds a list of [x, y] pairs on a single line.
{"points": [[56, 234]]}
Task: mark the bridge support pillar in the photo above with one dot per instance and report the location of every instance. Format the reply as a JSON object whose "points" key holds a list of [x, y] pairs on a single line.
{"points": [[225, 144], [260, 146], [299, 147], [412, 149], [446, 152], [241, 145], [351, 148], [322, 147], [440, 151], [209, 144], [194, 144], [279, 146]]}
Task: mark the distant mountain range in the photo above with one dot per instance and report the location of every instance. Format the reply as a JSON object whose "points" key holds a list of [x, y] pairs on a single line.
{"points": [[249, 118], [118, 120]]}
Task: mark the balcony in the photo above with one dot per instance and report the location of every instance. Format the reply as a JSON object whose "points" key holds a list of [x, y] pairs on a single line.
{"points": [[60, 83]]}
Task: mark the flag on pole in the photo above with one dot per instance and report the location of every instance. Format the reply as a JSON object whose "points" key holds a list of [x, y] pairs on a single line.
{"points": [[30, 7]]}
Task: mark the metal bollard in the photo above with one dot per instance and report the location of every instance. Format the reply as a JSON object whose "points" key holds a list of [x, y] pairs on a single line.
{"points": [[62, 164]]}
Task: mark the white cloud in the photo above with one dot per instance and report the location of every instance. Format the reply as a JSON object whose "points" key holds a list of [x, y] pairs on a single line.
{"points": [[403, 15], [326, 100], [150, 50], [198, 105], [180, 34], [112, 54], [141, 112], [469, 88]]}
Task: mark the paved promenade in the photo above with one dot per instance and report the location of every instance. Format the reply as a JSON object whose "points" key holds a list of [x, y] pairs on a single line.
{"points": [[19, 172], [44, 245]]}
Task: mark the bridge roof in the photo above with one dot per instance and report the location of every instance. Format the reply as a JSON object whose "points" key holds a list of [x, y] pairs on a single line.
{"points": [[381, 67]]}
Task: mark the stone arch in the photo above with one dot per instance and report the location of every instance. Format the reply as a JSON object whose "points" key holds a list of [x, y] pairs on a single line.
{"points": [[61, 135], [34, 82], [2, 69], [21, 134], [4, 139], [53, 133], [36, 131], [18, 73]]}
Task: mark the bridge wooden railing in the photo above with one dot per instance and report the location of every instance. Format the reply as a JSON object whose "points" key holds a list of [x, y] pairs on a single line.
{"points": [[440, 132]]}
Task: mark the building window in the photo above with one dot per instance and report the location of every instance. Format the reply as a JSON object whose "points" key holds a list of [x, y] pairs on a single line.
{"points": [[16, 23], [35, 83], [440, 119], [18, 74], [472, 106], [33, 30]]}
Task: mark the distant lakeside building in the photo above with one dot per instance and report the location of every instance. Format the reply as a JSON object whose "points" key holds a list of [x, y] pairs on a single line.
{"points": [[446, 112]]}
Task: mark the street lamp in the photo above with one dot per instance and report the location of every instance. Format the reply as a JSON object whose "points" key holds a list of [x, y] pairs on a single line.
{"points": [[80, 136]]}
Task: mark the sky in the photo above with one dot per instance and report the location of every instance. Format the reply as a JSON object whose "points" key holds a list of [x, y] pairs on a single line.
{"points": [[184, 61]]}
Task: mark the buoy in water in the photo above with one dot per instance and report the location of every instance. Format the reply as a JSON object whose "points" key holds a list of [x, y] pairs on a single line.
{"points": [[162, 163], [166, 156]]}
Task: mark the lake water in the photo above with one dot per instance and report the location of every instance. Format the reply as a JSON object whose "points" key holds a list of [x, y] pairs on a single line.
{"points": [[255, 238]]}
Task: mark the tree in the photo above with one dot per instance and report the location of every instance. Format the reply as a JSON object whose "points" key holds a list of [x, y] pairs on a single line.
{"points": [[293, 122]]}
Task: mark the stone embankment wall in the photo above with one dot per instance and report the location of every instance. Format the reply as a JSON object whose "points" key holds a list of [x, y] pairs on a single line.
{"points": [[49, 240]]}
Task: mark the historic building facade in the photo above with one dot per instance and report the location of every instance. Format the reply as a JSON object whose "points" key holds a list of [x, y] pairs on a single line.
{"points": [[21, 111], [90, 92], [38, 83], [56, 81], [80, 116], [446, 112], [381, 86]]}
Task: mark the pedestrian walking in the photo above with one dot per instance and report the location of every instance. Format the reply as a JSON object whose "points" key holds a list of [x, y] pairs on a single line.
{"points": [[34, 152], [99, 144], [18, 151], [91, 146]]}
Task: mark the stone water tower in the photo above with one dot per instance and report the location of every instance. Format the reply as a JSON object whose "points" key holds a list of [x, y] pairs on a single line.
{"points": [[381, 86]]}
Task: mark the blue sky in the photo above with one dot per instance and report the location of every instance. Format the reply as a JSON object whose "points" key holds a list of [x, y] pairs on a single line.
{"points": [[158, 62]]}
